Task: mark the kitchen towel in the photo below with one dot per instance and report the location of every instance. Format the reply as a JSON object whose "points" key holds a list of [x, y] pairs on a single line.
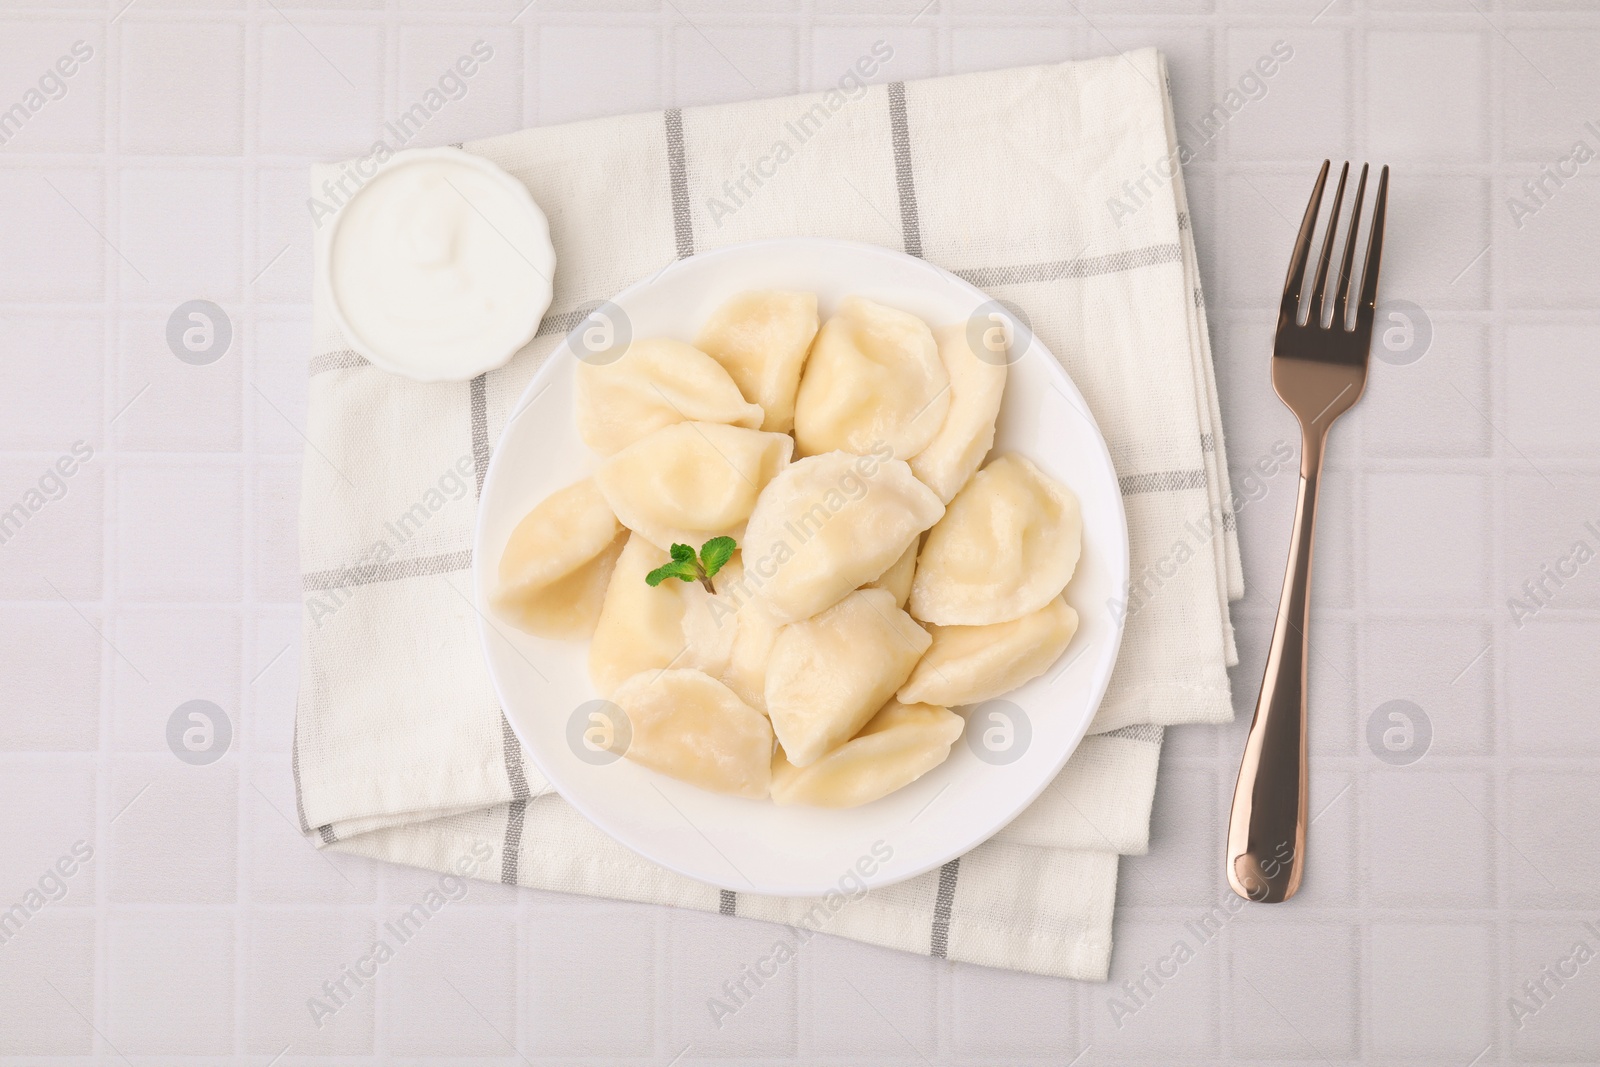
{"points": [[1055, 188]]}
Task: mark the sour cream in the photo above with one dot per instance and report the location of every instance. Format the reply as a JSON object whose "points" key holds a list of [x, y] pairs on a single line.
{"points": [[440, 266]]}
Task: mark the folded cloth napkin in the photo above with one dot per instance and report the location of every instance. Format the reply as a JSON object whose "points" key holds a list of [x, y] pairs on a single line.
{"points": [[1052, 187]]}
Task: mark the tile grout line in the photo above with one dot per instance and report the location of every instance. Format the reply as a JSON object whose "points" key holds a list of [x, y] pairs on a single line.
{"points": [[244, 338], [381, 1002], [1498, 463], [945, 993], [1358, 119], [100, 1009], [805, 72], [389, 96], [1223, 780]]}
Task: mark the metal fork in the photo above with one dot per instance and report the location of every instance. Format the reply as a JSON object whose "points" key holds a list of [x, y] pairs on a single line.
{"points": [[1319, 372]]}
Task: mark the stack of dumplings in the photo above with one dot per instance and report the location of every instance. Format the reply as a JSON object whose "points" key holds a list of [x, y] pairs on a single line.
{"points": [[883, 575]]}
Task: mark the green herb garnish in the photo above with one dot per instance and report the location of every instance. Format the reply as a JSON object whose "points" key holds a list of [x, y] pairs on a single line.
{"points": [[686, 566]]}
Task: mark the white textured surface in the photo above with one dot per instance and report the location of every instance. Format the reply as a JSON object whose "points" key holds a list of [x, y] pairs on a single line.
{"points": [[173, 169]]}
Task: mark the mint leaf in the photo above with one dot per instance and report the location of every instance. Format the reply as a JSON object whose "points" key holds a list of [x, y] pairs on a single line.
{"points": [[686, 565], [678, 568], [715, 553]]}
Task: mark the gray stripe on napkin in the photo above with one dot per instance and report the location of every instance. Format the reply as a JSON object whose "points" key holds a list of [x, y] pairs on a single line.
{"points": [[480, 428], [1057, 269], [326, 830], [911, 237], [1149, 733], [900, 137], [294, 769], [516, 815], [511, 854], [728, 903], [910, 229], [343, 359], [372, 573], [939, 939], [1161, 482], [678, 171], [566, 321], [511, 748]]}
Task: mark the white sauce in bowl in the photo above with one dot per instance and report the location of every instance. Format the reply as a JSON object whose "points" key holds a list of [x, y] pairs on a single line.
{"points": [[440, 266]]}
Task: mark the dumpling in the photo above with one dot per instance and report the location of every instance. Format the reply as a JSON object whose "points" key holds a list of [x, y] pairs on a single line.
{"points": [[899, 744], [1007, 544], [964, 438], [641, 628], [555, 566], [897, 579], [693, 728], [762, 337], [710, 625], [829, 674], [729, 636], [874, 379], [655, 383], [746, 669], [830, 523], [971, 664], [692, 481]]}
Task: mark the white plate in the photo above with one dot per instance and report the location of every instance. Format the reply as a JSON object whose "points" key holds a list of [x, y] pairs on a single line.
{"points": [[757, 847]]}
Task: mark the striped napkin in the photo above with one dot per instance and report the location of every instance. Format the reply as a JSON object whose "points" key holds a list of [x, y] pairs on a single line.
{"points": [[1054, 188]]}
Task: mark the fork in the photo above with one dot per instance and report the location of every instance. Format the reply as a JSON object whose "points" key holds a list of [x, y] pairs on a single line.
{"points": [[1319, 372]]}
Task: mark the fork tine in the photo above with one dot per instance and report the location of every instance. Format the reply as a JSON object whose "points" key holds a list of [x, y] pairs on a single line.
{"points": [[1369, 273], [1290, 309], [1342, 307], [1319, 285]]}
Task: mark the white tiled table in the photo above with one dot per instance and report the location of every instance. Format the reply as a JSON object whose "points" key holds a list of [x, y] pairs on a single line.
{"points": [[173, 168]]}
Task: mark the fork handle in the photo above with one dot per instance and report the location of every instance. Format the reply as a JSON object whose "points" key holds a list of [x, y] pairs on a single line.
{"points": [[1267, 828]]}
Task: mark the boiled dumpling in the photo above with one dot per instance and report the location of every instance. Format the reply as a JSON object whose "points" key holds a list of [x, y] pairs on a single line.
{"points": [[976, 385], [746, 669], [897, 579], [655, 383], [711, 623], [899, 744], [692, 481], [874, 379], [762, 338], [971, 664], [641, 628], [729, 636], [693, 728], [1007, 544], [828, 674], [555, 566], [830, 523]]}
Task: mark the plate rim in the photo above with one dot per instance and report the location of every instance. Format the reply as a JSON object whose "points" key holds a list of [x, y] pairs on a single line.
{"points": [[538, 383]]}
